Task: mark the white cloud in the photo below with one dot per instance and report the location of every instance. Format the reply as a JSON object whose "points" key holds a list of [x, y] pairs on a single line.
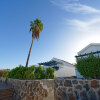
{"points": [[74, 6], [86, 31], [80, 8], [90, 25]]}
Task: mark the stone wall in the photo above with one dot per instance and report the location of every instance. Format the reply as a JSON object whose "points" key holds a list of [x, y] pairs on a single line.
{"points": [[76, 89], [58, 89], [31, 89]]}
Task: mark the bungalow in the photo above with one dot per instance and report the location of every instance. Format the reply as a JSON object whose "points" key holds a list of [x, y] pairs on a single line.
{"points": [[63, 68]]}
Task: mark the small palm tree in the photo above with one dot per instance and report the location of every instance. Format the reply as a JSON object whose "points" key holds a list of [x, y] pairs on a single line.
{"points": [[36, 27]]}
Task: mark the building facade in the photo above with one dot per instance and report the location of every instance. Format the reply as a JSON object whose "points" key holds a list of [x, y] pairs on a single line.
{"points": [[91, 48], [63, 68]]}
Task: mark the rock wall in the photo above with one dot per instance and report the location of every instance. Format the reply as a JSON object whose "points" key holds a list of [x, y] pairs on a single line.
{"points": [[31, 89], [76, 89], [58, 89]]}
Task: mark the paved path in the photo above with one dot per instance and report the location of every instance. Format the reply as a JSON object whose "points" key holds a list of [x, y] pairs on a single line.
{"points": [[4, 86]]}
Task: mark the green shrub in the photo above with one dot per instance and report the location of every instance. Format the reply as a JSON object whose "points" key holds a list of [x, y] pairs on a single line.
{"points": [[39, 72], [50, 73], [22, 72], [89, 67], [5, 74], [30, 73], [1, 72]]}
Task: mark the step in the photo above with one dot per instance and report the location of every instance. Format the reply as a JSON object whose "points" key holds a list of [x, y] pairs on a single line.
{"points": [[6, 94]]}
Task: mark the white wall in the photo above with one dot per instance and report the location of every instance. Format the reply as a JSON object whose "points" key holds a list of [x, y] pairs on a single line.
{"points": [[92, 48], [66, 70]]}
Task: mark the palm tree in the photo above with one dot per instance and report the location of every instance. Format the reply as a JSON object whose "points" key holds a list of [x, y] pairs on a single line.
{"points": [[36, 27]]}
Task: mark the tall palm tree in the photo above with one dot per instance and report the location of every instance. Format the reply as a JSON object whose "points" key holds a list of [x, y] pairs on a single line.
{"points": [[36, 27]]}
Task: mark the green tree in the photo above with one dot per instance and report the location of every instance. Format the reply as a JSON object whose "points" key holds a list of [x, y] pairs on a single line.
{"points": [[36, 27]]}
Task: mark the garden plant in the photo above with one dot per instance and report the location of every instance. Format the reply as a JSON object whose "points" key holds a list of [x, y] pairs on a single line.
{"points": [[89, 67], [30, 73]]}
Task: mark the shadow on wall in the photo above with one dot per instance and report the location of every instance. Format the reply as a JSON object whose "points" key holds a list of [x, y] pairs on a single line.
{"points": [[78, 75]]}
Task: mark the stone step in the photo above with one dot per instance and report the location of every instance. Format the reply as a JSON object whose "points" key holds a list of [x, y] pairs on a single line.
{"points": [[6, 94]]}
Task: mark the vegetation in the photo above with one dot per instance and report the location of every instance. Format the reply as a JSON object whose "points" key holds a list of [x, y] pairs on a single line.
{"points": [[39, 72], [89, 67], [22, 72], [30, 73], [2, 72], [5, 74], [50, 73], [36, 27]]}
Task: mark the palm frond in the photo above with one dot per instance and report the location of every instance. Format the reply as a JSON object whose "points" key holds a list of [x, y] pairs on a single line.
{"points": [[36, 27]]}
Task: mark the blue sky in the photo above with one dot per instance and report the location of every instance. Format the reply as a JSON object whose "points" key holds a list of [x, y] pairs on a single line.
{"points": [[69, 25]]}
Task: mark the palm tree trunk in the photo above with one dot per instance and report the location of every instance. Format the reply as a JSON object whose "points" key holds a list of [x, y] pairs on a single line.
{"points": [[29, 53]]}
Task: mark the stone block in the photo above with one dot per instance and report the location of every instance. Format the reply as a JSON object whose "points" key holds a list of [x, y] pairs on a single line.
{"points": [[87, 87], [99, 93], [94, 84], [71, 97], [81, 82], [67, 83], [59, 93], [83, 95], [74, 81], [28, 98], [78, 87], [92, 95], [69, 89], [64, 96], [59, 98], [76, 95]]}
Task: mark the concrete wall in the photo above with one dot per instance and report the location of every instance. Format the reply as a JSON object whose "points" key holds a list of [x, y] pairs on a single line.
{"points": [[76, 89], [31, 89]]}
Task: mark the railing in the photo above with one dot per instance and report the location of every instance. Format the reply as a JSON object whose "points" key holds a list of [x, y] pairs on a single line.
{"points": [[86, 54]]}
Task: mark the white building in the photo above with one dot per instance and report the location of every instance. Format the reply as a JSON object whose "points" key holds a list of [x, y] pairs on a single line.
{"points": [[93, 47], [63, 68]]}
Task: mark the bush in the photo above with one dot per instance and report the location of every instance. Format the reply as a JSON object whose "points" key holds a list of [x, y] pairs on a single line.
{"points": [[89, 67], [29, 73], [5, 73], [22, 72], [50, 73], [39, 72]]}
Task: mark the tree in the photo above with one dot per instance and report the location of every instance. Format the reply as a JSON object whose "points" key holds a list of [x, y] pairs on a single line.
{"points": [[36, 27]]}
